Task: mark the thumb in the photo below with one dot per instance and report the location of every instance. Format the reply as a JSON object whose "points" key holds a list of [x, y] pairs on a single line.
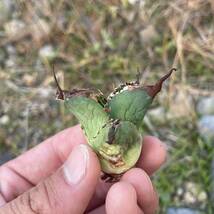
{"points": [[68, 190]]}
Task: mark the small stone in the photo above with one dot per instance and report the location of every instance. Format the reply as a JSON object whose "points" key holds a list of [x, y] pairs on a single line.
{"points": [[148, 34], [192, 187], [189, 198], [206, 127], [11, 50], [180, 191], [6, 9], [4, 119], [194, 4], [202, 196], [206, 106], [40, 30], [45, 92], [10, 63], [140, 2], [47, 52], [157, 115], [181, 105], [14, 27], [29, 79], [173, 210]]}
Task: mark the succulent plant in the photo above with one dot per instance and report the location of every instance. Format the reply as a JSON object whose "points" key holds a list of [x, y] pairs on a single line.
{"points": [[112, 125]]}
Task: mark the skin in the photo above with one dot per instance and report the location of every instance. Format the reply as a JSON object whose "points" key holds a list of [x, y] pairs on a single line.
{"points": [[35, 183]]}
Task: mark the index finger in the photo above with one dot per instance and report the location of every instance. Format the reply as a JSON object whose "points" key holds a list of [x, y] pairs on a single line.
{"points": [[39, 162]]}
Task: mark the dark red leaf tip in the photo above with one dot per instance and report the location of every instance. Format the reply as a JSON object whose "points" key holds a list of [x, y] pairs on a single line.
{"points": [[152, 90]]}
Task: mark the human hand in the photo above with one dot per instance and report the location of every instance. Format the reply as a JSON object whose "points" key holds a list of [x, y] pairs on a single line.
{"points": [[61, 175]]}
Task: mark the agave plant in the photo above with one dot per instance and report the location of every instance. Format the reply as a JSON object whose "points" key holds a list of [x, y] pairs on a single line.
{"points": [[113, 125]]}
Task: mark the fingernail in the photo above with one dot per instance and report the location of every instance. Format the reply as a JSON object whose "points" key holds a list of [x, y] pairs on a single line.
{"points": [[76, 165]]}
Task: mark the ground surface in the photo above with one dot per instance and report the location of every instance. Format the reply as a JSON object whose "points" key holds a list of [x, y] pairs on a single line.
{"points": [[101, 44]]}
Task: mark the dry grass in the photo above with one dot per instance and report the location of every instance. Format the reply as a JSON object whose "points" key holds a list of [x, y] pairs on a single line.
{"points": [[100, 44]]}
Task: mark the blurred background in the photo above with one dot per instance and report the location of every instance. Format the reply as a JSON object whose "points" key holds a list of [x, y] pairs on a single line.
{"points": [[100, 44]]}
